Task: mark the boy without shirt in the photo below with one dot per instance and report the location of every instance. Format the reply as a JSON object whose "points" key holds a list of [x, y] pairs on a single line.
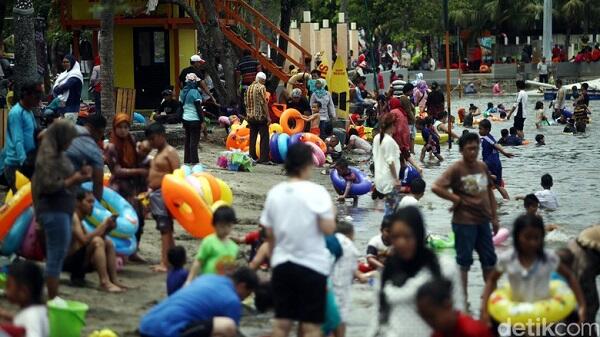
{"points": [[165, 162]]}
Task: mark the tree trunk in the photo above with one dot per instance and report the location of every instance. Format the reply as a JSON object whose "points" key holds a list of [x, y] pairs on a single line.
{"points": [[208, 53], [222, 49], [25, 56], [344, 6], [107, 99], [285, 22]]}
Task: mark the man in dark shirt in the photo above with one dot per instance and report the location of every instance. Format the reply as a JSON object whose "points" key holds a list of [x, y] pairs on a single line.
{"points": [[513, 139], [169, 111], [196, 64], [247, 69]]}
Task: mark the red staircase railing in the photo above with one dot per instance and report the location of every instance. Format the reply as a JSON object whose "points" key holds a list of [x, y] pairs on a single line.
{"points": [[234, 13]]}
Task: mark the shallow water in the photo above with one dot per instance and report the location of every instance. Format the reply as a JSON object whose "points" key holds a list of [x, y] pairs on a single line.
{"points": [[573, 161]]}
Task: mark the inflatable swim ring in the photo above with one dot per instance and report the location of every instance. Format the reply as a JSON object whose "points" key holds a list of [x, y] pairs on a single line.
{"points": [[554, 309], [184, 203], [501, 236], [238, 139], [275, 128], [274, 148], [226, 193], [138, 118], [283, 142], [32, 248], [308, 137], [20, 181], [278, 109], [113, 203], [362, 186], [14, 239], [295, 115], [419, 138], [318, 155], [14, 208], [436, 241]]}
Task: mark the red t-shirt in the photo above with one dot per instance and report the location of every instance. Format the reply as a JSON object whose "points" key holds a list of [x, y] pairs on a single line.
{"points": [[466, 327], [252, 237], [380, 81]]}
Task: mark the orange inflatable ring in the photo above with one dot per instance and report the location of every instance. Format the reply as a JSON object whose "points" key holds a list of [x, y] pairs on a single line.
{"points": [[14, 207], [278, 109], [238, 139], [285, 119], [312, 138], [215, 188], [184, 203], [484, 69]]}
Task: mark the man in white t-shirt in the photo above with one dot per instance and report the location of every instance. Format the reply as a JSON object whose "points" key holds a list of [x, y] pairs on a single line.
{"points": [[547, 197], [298, 214], [542, 69], [521, 109]]}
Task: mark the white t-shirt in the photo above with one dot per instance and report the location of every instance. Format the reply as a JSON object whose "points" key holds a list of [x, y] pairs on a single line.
{"points": [[35, 321], [384, 154], [522, 97], [542, 68], [292, 210], [343, 275], [408, 200], [548, 199]]}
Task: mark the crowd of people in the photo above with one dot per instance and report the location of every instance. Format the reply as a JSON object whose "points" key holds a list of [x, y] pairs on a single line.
{"points": [[307, 250]]}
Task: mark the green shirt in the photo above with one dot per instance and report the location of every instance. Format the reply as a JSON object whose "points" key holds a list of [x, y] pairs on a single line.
{"points": [[214, 254]]}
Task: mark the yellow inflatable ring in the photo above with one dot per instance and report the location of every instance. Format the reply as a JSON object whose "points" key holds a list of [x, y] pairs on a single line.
{"points": [[560, 305], [226, 193], [275, 127], [419, 138]]}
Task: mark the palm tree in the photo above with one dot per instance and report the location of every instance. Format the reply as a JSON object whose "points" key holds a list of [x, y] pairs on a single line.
{"points": [[107, 100], [25, 55]]}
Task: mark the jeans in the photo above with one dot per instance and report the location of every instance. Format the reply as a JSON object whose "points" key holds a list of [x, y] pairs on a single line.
{"points": [[57, 226], [192, 139], [259, 128], [97, 102]]}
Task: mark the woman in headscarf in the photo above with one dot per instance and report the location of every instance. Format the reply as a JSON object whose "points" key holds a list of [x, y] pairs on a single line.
{"points": [[193, 118], [53, 196], [326, 111], [128, 168], [410, 265], [67, 87], [420, 95]]}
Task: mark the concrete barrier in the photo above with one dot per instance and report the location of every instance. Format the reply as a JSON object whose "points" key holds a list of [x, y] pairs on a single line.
{"points": [[504, 71]]}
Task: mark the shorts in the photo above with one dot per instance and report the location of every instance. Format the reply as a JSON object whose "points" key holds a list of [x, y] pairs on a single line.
{"points": [[300, 293], [164, 221], [413, 131], [495, 169], [76, 264], [198, 329], [474, 237], [519, 123]]}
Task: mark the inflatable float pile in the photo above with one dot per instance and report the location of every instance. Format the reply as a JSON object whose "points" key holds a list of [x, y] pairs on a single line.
{"points": [[362, 186], [282, 136], [16, 218], [123, 236], [235, 160], [191, 198]]}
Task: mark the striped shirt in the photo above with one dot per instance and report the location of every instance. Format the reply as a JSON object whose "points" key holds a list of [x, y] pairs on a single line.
{"points": [[248, 67], [255, 99]]}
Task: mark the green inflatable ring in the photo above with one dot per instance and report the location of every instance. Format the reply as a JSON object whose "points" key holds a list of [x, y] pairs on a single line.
{"points": [[437, 241]]}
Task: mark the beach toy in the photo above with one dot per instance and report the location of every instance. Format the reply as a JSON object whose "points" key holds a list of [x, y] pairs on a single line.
{"points": [[66, 318], [362, 186], [501, 236], [283, 142], [210, 187], [103, 333], [278, 109], [291, 115], [308, 137], [138, 118], [14, 239], [20, 181], [31, 248], [437, 241], [275, 128], [14, 208], [318, 155], [189, 208], [557, 307], [238, 139], [113, 203], [443, 138], [365, 267], [235, 123], [226, 193], [274, 148]]}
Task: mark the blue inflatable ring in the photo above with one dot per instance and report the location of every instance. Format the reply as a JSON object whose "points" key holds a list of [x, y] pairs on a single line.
{"points": [[295, 138], [274, 148], [282, 145], [13, 240], [363, 186], [113, 203], [123, 246]]}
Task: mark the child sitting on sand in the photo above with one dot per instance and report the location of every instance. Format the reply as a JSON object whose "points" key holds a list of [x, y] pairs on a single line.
{"points": [[217, 252], [529, 267], [349, 177], [378, 247], [177, 274], [540, 117], [436, 307], [25, 288], [431, 139], [165, 162]]}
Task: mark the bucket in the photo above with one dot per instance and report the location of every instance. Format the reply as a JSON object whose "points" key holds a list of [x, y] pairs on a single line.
{"points": [[66, 321]]}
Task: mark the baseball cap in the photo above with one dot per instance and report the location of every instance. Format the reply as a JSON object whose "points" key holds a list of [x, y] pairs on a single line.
{"points": [[196, 58]]}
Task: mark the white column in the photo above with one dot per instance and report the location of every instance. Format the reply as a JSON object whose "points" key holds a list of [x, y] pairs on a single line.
{"points": [[547, 40], [342, 38]]}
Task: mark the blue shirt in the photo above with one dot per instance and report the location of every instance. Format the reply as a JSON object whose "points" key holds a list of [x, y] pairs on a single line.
{"points": [[488, 149], [513, 140], [19, 137], [207, 297], [188, 97], [175, 280], [85, 151]]}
